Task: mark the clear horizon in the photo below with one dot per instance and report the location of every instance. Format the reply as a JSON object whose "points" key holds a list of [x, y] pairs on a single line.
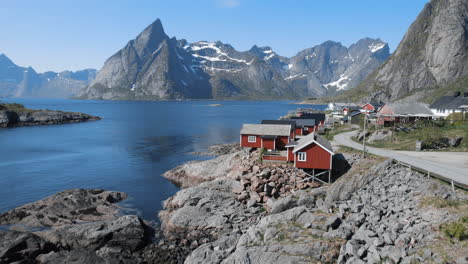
{"points": [[58, 35]]}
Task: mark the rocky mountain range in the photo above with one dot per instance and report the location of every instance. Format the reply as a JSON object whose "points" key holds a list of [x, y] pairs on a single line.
{"points": [[154, 66], [17, 81], [430, 61]]}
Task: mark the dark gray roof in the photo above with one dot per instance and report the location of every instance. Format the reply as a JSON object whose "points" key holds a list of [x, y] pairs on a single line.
{"points": [[303, 122], [292, 123], [409, 109], [353, 108], [449, 102], [312, 137], [324, 142], [316, 116], [355, 113], [266, 130]]}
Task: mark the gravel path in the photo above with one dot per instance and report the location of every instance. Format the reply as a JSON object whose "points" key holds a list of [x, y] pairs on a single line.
{"points": [[449, 165]]}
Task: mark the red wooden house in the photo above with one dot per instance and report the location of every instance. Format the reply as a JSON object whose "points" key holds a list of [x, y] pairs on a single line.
{"points": [[311, 152], [319, 117], [268, 136], [368, 108], [304, 126], [290, 122], [371, 107]]}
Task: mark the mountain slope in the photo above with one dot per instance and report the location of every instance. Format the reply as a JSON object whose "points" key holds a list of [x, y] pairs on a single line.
{"points": [[152, 66], [432, 55], [156, 67], [331, 67], [16, 81]]}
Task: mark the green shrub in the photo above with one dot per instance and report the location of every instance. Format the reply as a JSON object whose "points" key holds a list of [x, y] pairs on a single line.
{"points": [[260, 155], [455, 230]]}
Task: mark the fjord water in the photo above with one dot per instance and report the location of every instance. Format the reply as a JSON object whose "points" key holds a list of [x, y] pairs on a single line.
{"points": [[128, 150]]}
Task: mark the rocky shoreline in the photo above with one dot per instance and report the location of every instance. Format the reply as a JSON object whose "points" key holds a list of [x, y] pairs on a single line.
{"points": [[15, 115], [236, 209]]}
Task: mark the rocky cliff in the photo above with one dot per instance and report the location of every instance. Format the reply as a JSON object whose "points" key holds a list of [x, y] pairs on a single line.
{"points": [[17, 81], [154, 66], [431, 56]]}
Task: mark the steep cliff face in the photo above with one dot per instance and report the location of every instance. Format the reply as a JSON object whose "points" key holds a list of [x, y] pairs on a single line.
{"points": [[156, 67], [432, 54]]}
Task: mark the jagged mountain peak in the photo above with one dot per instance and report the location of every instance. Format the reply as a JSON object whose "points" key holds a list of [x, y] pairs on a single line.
{"points": [[150, 39]]}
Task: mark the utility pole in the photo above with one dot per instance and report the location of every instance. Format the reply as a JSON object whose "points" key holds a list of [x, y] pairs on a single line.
{"points": [[364, 137]]}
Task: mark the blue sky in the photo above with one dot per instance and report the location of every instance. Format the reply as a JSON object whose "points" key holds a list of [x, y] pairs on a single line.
{"points": [[65, 34]]}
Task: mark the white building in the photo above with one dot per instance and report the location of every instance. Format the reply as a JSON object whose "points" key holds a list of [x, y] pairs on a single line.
{"points": [[446, 105]]}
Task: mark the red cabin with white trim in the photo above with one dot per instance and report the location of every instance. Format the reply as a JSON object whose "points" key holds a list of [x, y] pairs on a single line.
{"points": [[270, 137], [311, 152]]}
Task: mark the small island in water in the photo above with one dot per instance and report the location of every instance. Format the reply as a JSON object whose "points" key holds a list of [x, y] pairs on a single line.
{"points": [[14, 115]]}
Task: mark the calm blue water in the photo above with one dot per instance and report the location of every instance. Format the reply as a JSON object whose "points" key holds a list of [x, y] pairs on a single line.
{"points": [[128, 150]]}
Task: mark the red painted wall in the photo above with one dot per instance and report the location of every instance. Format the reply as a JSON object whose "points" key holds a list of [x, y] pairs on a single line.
{"points": [[299, 131], [268, 143], [281, 142], [246, 144], [317, 158], [368, 107], [290, 154]]}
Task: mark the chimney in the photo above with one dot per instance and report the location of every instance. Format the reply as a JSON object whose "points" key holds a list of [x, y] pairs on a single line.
{"points": [[456, 94]]}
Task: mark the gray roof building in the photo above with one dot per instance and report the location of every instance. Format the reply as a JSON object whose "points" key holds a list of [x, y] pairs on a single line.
{"points": [[266, 130], [450, 102], [301, 123], [292, 123], [406, 109], [311, 138]]}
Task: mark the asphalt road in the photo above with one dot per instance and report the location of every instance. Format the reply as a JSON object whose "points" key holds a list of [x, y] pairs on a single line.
{"points": [[451, 165]]}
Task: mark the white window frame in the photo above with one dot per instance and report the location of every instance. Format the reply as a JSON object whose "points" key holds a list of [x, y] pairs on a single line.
{"points": [[252, 139], [302, 156]]}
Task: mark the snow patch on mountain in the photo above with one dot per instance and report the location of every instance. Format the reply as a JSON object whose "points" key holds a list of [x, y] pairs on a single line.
{"points": [[341, 83], [375, 47]]}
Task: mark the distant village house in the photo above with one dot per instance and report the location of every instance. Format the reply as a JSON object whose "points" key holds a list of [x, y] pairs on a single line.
{"points": [[446, 105]]}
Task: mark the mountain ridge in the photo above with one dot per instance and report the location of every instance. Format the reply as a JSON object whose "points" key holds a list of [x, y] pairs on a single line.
{"points": [[17, 81], [155, 67]]}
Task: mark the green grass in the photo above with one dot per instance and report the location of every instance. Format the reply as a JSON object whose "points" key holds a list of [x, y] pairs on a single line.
{"points": [[427, 134], [338, 128], [15, 107], [438, 202], [455, 230]]}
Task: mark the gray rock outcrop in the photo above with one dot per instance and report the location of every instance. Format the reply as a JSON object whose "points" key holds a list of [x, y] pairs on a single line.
{"points": [[76, 226], [28, 117], [65, 208]]}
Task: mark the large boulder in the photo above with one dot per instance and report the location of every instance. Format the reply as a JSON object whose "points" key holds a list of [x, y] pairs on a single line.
{"points": [[66, 208], [204, 211], [126, 233], [21, 247], [380, 135], [354, 179], [196, 172]]}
